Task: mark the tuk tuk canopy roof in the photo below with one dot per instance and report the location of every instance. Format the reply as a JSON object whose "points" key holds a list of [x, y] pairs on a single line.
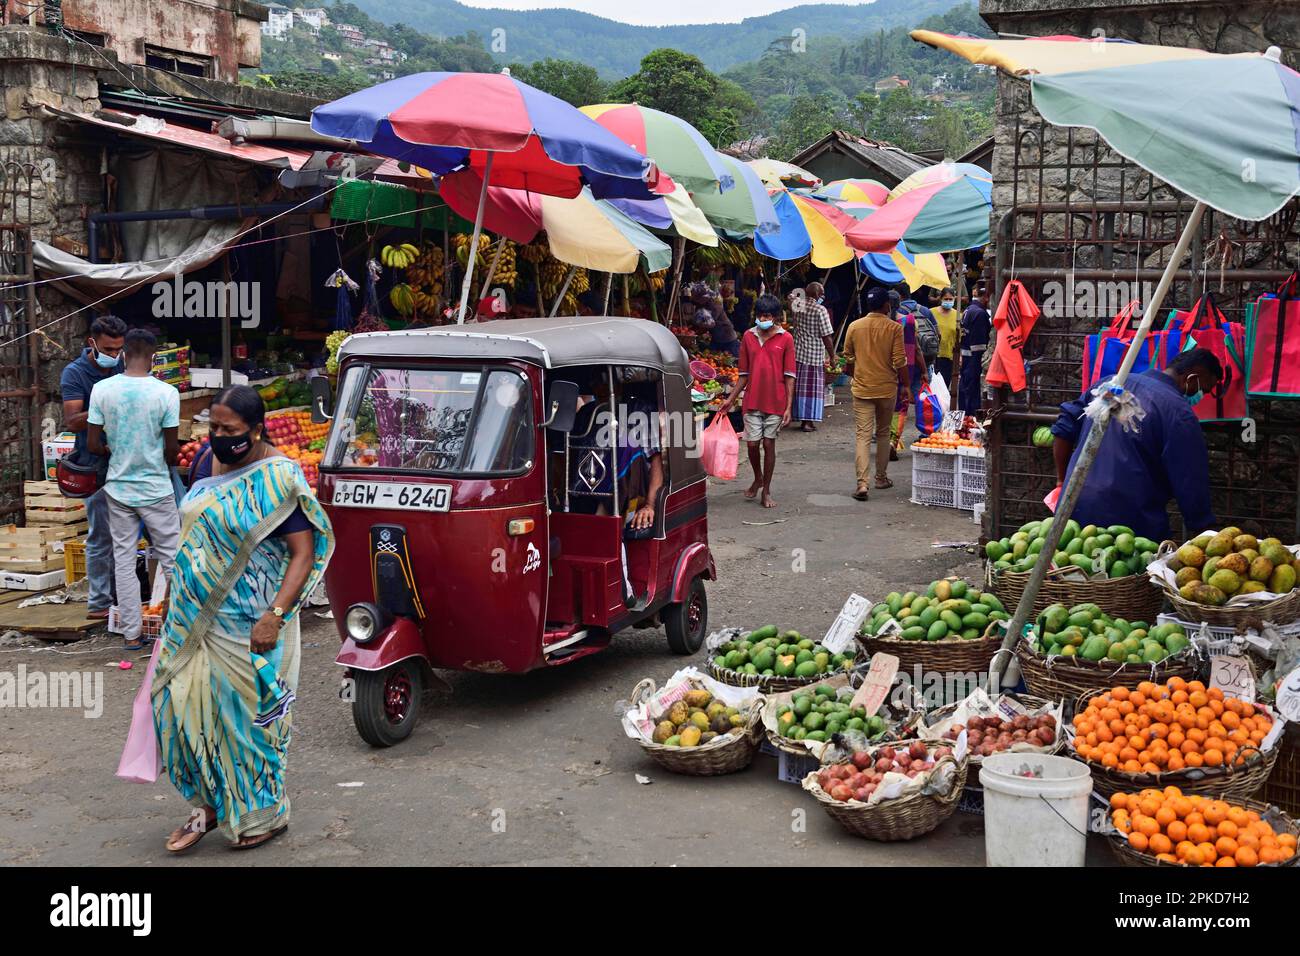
{"points": [[550, 342]]}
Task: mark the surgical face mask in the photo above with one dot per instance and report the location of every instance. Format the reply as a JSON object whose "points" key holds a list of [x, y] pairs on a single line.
{"points": [[105, 361], [764, 324], [230, 448], [947, 303], [820, 299], [1195, 397]]}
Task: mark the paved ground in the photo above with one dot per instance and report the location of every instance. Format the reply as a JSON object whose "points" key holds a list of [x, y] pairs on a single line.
{"points": [[542, 753]]}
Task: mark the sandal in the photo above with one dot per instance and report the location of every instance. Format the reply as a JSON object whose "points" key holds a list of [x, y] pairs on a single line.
{"points": [[183, 831], [861, 494], [250, 843], [883, 483]]}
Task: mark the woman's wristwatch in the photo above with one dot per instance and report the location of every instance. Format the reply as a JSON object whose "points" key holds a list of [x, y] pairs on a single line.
{"points": [[279, 614]]}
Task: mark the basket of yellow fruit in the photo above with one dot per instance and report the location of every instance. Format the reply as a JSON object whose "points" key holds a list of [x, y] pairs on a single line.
{"points": [[1231, 579]]}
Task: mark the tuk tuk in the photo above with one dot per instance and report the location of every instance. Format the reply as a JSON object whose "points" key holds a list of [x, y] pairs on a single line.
{"points": [[507, 496]]}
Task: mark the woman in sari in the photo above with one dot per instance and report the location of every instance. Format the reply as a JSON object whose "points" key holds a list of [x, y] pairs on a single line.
{"points": [[254, 542]]}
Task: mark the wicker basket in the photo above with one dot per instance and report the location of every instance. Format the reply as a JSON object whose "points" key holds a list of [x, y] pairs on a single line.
{"points": [[1284, 610], [1068, 678], [725, 754], [904, 818], [976, 761], [1133, 598], [1127, 856], [766, 685], [949, 656], [1283, 786]]}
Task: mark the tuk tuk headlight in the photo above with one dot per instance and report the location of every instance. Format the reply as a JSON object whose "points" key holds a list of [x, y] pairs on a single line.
{"points": [[364, 621]]}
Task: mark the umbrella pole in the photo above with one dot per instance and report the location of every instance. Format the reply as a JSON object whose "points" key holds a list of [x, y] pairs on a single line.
{"points": [[564, 290], [609, 288], [650, 297], [1088, 454], [473, 242], [492, 268], [627, 296], [677, 278]]}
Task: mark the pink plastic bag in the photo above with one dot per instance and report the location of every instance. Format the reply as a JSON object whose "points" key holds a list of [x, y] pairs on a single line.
{"points": [[720, 448], [141, 759]]}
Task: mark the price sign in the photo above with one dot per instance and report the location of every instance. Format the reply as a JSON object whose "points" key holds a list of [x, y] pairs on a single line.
{"points": [[879, 679], [1288, 696], [841, 633], [1234, 676]]}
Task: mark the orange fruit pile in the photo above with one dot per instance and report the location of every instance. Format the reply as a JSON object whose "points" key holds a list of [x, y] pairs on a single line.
{"points": [[1197, 831], [1159, 728], [944, 440]]}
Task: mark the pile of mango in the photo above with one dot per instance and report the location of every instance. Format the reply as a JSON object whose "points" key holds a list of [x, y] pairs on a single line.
{"points": [[816, 713], [767, 652], [1212, 568], [948, 609], [1087, 632], [697, 719], [1113, 552]]}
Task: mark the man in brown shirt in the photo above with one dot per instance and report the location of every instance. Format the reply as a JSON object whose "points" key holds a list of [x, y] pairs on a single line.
{"points": [[873, 346]]}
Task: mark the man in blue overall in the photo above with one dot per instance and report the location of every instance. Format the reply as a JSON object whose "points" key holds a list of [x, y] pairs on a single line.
{"points": [[975, 329]]}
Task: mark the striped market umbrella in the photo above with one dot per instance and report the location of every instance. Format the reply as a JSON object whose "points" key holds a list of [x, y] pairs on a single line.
{"points": [[942, 208], [809, 227], [671, 212], [855, 191], [677, 148], [900, 264], [744, 211], [776, 174]]}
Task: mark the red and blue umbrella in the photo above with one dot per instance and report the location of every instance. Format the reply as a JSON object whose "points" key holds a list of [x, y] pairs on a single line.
{"points": [[447, 121], [943, 208]]}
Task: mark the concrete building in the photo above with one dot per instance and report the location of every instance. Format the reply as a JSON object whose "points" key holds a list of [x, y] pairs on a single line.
{"points": [[891, 83], [315, 18], [278, 23]]}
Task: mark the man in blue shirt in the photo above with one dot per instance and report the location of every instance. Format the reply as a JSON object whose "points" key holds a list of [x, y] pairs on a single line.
{"points": [[975, 329], [1136, 472], [101, 359]]}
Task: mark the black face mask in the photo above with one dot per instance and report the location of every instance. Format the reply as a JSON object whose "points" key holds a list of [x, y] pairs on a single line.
{"points": [[230, 448]]}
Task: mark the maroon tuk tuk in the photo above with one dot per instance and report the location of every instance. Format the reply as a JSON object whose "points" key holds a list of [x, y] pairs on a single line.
{"points": [[479, 479]]}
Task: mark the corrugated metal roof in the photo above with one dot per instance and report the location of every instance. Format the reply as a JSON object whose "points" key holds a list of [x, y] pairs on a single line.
{"points": [[898, 163]]}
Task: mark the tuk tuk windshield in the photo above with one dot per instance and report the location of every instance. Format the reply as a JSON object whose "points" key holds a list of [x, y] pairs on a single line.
{"points": [[462, 420]]}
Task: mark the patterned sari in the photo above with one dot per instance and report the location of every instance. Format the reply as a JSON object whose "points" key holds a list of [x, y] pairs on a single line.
{"points": [[220, 710]]}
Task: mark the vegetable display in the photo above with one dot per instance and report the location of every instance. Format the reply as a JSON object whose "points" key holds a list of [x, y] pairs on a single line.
{"points": [[1085, 631], [947, 610], [1111, 552]]}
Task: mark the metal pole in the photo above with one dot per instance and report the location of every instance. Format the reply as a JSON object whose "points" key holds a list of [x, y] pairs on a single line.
{"points": [[627, 296], [1074, 487], [473, 242], [609, 287], [677, 278], [492, 268], [564, 290]]}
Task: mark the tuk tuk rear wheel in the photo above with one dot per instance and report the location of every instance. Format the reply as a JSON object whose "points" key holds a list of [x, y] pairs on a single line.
{"points": [[387, 703], [688, 621]]}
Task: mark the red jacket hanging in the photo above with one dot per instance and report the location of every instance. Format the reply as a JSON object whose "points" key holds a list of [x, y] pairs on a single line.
{"points": [[1015, 318]]}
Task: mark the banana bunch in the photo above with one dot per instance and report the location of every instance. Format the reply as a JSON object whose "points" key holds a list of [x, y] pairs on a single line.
{"points": [[581, 282], [726, 254], [398, 257], [427, 303], [429, 271], [402, 297], [534, 252], [460, 241], [507, 267], [550, 277]]}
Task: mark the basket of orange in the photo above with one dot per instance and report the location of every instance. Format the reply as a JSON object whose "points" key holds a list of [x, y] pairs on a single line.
{"points": [[1167, 827], [1178, 733]]}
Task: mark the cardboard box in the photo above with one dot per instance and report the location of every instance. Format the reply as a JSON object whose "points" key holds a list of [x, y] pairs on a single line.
{"points": [[55, 448]]}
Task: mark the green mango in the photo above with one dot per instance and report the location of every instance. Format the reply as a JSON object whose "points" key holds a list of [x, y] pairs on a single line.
{"points": [[765, 659], [813, 721], [939, 629], [975, 620], [1094, 648], [802, 706], [1126, 543], [951, 619], [806, 668], [994, 550], [929, 616], [803, 657], [1176, 643], [992, 601]]}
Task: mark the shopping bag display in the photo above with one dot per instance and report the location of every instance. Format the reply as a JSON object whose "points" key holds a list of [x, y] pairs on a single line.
{"points": [[1273, 344], [929, 412], [141, 759], [1205, 326], [1103, 353], [720, 448]]}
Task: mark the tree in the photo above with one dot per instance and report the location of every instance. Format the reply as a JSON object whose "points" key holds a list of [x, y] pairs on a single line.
{"points": [[678, 83], [807, 120], [575, 83]]}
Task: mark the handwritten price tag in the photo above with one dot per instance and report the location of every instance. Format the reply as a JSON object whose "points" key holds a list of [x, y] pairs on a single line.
{"points": [[1234, 676], [879, 679], [1288, 696], [840, 636]]}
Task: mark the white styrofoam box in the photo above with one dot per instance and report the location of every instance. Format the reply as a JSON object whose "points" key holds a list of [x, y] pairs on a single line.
{"points": [[43, 581], [211, 378]]}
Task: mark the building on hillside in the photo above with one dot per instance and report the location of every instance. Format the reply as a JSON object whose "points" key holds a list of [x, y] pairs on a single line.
{"points": [[746, 149], [352, 35], [279, 21], [890, 83], [315, 18], [843, 155], [1065, 205], [332, 57]]}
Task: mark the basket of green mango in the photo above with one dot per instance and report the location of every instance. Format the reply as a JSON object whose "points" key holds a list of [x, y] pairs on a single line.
{"points": [[806, 720], [950, 627], [1092, 565], [771, 659], [1075, 650]]}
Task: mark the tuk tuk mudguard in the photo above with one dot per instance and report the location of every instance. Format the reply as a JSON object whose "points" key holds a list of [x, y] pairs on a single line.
{"points": [[400, 641], [694, 560]]}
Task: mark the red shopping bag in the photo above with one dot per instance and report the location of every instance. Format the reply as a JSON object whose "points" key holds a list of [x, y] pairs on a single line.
{"points": [[929, 411], [141, 759], [1275, 345], [720, 448], [1207, 327], [1103, 353]]}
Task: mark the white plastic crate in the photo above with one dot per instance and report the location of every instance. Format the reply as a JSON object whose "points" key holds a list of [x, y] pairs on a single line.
{"points": [[792, 769], [967, 499], [934, 478]]}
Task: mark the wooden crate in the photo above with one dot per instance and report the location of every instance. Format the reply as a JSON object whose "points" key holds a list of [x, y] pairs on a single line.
{"points": [[31, 565], [41, 488], [30, 550], [42, 515]]}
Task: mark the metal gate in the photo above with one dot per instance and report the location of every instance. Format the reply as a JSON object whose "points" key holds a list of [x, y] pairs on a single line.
{"points": [[1085, 231], [21, 398]]}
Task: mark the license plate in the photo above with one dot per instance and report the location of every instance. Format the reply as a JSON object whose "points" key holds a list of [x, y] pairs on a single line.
{"points": [[392, 494]]}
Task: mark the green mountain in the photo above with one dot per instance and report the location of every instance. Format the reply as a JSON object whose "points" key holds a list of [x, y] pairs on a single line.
{"points": [[615, 49]]}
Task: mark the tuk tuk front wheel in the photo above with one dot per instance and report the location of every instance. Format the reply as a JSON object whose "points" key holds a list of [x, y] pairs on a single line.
{"points": [[387, 703], [688, 621]]}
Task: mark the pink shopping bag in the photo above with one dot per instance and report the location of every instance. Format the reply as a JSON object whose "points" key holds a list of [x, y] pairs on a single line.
{"points": [[141, 759], [720, 448]]}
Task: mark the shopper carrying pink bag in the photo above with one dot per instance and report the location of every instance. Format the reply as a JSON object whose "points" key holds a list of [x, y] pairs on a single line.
{"points": [[720, 448], [141, 760]]}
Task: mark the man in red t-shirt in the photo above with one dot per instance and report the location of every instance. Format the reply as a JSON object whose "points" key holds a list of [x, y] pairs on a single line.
{"points": [[767, 377]]}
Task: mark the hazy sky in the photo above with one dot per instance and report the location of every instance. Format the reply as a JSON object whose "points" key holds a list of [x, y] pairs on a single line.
{"points": [[661, 12]]}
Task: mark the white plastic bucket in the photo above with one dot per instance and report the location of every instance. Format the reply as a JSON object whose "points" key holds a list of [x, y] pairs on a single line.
{"points": [[1039, 820]]}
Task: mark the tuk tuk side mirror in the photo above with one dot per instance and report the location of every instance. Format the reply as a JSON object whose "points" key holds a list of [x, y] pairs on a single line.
{"points": [[322, 400], [563, 406]]}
